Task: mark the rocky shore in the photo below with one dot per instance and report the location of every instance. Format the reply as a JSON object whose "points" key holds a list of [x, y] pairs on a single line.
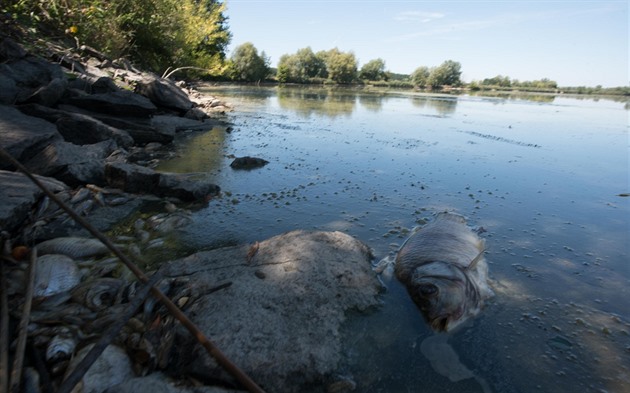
{"points": [[92, 129]]}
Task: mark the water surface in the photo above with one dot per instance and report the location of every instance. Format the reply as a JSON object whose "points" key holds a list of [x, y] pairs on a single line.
{"points": [[542, 175]]}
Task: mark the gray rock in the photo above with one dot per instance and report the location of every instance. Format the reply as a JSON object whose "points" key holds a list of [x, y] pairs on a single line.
{"points": [[10, 50], [31, 71], [49, 94], [174, 124], [182, 187], [123, 103], [23, 136], [112, 368], [18, 194], [8, 90], [248, 163], [78, 128], [280, 319], [141, 180], [164, 93], [93, 84], [74, 165], [131, 178]]}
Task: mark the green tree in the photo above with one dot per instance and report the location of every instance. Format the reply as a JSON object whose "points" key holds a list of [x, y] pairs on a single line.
{"points": [[373, 70], [341, 66], [420, 76], [301, 66], [247, 65], [447, 73]]}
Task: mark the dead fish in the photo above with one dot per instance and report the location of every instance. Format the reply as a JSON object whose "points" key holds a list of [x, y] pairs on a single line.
{"points": [[98, 294], [61, 347], [444, 271], [74, 247], [55, 274]]}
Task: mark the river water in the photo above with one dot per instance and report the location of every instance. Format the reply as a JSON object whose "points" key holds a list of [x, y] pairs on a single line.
{"points": [[544, 176]]}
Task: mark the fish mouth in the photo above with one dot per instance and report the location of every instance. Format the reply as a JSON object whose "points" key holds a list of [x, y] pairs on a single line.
{"points": [[440, 322]]}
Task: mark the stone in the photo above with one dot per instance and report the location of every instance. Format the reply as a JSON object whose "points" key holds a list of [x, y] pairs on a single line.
{"points": [[74, 165], [164, 93], [10, 50], [131, 178], [49, 94], [18, 194], [160, 383], [23, 136], [248, 163], [284, 331], [122, 103], [182, 187], [31, 71], [8, 90], [174, 124], [111, 368], [93, 84], [78, 128]]}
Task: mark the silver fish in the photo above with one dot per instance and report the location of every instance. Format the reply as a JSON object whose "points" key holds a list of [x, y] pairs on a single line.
{"points": [[74, 247], [55, 274], [444, 270]]}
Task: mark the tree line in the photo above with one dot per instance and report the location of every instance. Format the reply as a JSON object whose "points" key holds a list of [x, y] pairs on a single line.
{"points": [[163, 34]]}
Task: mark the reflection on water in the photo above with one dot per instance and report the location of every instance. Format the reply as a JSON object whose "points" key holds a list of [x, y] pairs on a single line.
{"points": [[542, 178]]}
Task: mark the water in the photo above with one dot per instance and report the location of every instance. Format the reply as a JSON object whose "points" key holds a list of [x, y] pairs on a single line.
{"points": [[542, 175]]}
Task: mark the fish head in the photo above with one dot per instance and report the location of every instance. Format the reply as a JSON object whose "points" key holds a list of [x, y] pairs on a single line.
{"points": [[441, 294]]}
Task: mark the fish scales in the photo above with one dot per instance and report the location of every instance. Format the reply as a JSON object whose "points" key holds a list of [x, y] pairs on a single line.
{"points": [[73, 247], [443, 268]]}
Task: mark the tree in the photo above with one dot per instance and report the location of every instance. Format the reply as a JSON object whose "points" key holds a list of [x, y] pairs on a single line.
{"points": [[447, 73], [420, 76], [341, 66], [247, 65], [373, 70], [301, 66]]}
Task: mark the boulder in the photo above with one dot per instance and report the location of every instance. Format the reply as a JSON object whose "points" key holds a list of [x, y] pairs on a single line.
{"points": [[50, 94], [10, 50], [74, 165], [93, 84], [185, 189], [280, 320], [160, 383], [31, 71], [111, 368], [8, 90], [23, 136], [164, 93], [174, 124], [122, 103], [78, 128], [248, 163], [141, 180], [18, 194]]}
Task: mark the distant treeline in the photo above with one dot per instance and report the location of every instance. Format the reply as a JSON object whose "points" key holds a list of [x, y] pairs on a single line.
{"points": [[163, 34]]}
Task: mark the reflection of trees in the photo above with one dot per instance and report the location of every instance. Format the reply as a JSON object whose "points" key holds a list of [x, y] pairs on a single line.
{"points": [[317, 101], [444, 106], [371, 102], [544, 98], [202, 153]]}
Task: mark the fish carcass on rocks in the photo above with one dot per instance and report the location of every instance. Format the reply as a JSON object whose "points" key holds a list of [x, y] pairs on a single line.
{"points": [[444, 271]]}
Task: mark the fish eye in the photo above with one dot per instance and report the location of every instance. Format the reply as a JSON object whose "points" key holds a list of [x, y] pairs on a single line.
{"points": [[428, 290]]}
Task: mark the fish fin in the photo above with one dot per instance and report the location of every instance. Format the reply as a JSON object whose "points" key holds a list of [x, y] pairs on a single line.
{"points": [[476, 260]]}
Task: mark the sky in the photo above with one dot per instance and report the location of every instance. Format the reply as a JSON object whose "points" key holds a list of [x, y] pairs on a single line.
{"points": [[575, 43]]}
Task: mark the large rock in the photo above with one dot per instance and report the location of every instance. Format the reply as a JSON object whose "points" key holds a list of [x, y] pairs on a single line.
{"points": [[8, 90], [49, 94], [23, 136], [18, 194], [142, 180], [123, 103], [159, 383], [74, 165], [280, 319], [78, 128], [164, 93]]}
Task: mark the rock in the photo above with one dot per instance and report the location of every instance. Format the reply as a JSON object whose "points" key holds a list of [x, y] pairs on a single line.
{"points": [[248, 163], [8, 90], [18, 194], [283, 330], [173, 124], [141, 180], [23, 136], [78, 128], [10, 50], [49, 94], [131, 178], [164, 93], [123, 103], [31, 71], [181, 187], [159, 383], [72, 164], [112, 368], [93, 84]]}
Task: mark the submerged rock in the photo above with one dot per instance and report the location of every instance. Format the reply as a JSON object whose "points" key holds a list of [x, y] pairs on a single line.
{"points": [[280, 319], [248, 163]]}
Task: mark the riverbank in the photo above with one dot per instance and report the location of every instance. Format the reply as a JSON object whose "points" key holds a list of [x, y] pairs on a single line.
{"points": [[92, 129]]}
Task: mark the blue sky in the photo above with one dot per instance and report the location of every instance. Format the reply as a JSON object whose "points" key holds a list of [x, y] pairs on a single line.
{"points": [[572, 42]]}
